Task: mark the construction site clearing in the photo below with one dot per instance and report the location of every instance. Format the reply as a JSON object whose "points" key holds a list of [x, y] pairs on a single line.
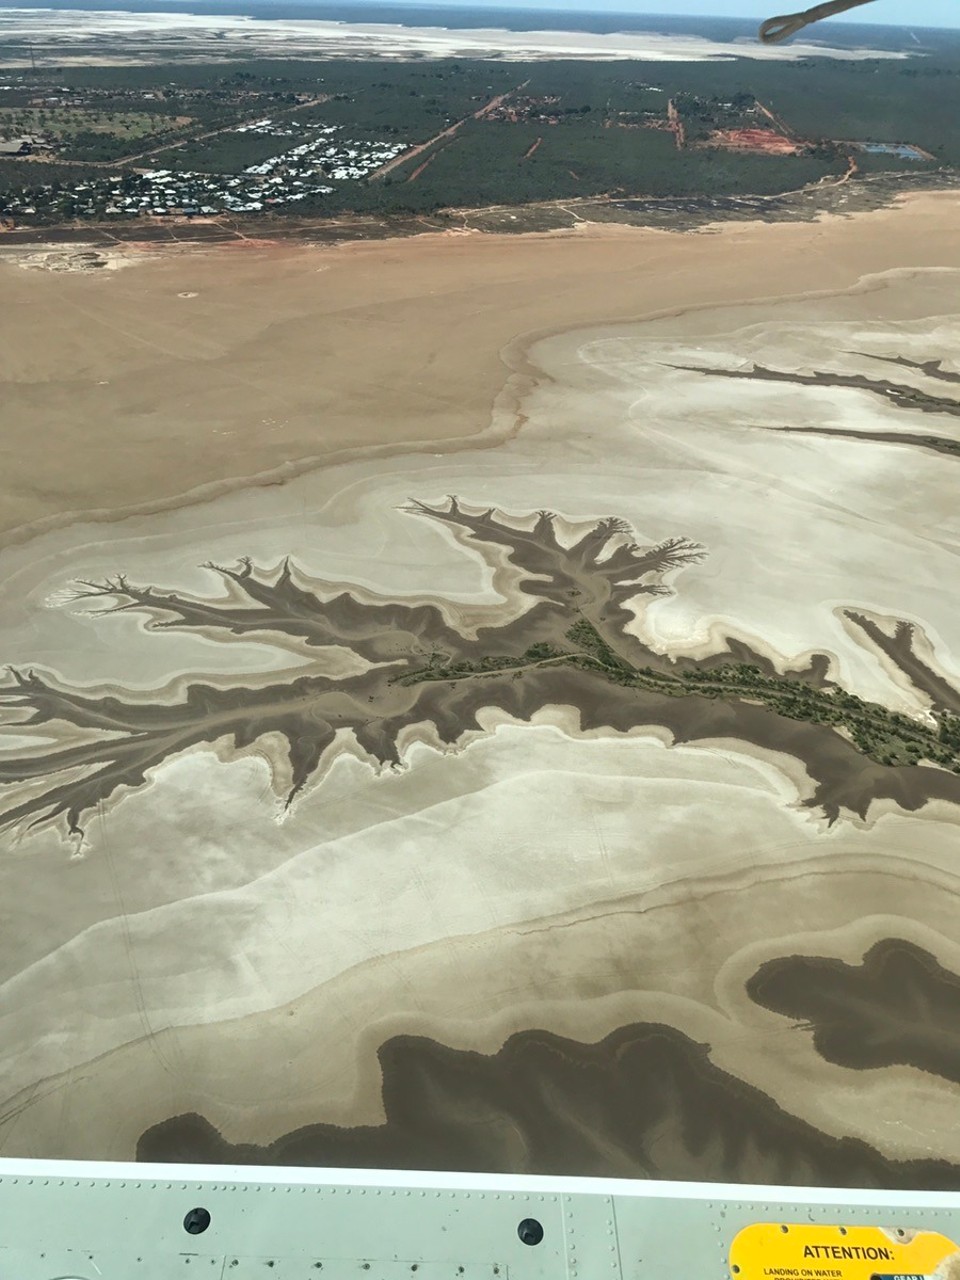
{"points": [[765, 140]]}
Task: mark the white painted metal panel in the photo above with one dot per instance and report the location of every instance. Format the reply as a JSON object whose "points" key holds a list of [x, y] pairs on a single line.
{"points": [[127, 1222]]}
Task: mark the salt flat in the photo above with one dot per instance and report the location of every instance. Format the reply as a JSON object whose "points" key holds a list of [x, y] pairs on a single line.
{"points": [[81, 36], [539, 881], [207, 947]]}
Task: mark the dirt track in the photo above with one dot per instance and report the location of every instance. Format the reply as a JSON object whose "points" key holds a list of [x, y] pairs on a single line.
{"points": [[449, 132]]}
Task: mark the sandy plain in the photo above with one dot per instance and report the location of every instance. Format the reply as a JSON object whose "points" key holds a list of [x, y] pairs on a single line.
{"points": [[206, 368], [204, 949]]}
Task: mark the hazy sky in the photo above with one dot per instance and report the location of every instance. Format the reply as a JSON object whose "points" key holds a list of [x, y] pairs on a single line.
{"points": [[919, 13]]}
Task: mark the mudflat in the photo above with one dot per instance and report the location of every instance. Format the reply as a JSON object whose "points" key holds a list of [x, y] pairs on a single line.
{"points": [[191, 371], [342, 817]]}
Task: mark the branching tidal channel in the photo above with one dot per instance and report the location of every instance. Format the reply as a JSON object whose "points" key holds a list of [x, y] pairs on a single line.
{"points": [[571, 645]]}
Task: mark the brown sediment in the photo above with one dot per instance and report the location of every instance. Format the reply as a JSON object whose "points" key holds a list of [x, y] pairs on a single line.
{"points": [[938, 444], [570, 647], [844, 778], [309, 710], [646, 1102], [897, 393], [898, 1006], [931, 368], [899, 648], [298, 354]]}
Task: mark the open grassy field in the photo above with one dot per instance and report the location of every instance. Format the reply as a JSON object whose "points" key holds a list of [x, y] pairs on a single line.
{"points": [[65, 124]]}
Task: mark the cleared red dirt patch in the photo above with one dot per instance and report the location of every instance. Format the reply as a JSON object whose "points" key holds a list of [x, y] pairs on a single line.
{"points": [[765, 140]]}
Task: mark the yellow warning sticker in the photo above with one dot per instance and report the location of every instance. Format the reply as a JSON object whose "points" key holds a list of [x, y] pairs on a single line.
{"points": [[784, 1251]]}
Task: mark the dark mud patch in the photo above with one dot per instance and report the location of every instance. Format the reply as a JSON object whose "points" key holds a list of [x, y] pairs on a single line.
{"points": [[900, 394], [645, 1102], [898, 1007], [899, 649]]}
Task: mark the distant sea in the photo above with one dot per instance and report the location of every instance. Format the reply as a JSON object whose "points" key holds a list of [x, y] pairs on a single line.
{"points": [[408, 13]]}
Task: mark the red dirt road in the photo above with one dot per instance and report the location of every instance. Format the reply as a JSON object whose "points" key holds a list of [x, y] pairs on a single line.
{"points": [[420, 167], [675, 125]]}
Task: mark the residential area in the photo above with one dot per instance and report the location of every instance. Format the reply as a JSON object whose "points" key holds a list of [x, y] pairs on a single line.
{"points": [[309, 170], [317, 139]]}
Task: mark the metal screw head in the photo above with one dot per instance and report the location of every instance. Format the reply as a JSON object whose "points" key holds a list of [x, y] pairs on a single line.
{"points": [[196, 1221], [530, 1231]]}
